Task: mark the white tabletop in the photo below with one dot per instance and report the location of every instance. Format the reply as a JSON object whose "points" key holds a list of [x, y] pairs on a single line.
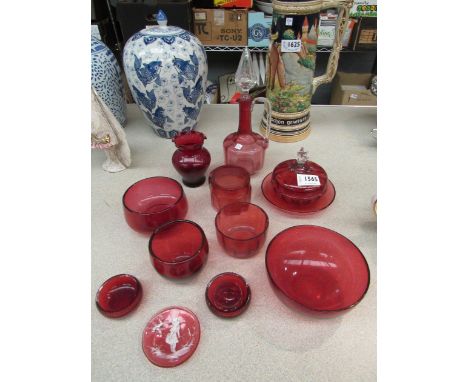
{"points": [[269, 342]]}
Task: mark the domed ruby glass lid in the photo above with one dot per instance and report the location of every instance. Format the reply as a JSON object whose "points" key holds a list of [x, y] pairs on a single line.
{"points": [[227, 295], [171, 336], [299, 180], [119, 295], [319, 204], [317, 268]]}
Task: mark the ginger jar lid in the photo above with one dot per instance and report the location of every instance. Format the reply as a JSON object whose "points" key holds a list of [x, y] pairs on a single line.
{"points": [[162, 29]]}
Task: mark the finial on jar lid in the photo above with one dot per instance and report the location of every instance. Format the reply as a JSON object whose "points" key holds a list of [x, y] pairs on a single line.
{"points": [[161, 18], [302, 156]]}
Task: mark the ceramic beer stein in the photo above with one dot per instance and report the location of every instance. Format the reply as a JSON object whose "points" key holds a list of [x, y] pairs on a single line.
{"points": [[291, 64]]}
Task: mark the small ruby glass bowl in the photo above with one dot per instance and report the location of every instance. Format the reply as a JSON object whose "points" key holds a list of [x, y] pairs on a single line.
{"points": [[119, 295], [317, 268], [229, 184], [178, 248], [227, 295], [151, 202], [241, 228]]}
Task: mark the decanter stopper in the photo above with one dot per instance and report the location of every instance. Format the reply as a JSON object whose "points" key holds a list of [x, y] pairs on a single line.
{"points": [[302, 157], [161, 18], [245, 78]]}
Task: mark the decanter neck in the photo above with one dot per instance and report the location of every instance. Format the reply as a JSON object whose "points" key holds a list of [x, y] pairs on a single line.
{"points": [[245, 118]]}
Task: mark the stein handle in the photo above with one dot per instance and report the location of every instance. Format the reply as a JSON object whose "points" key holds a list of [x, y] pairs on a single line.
{"points": [[266, 101], [342, 22]]}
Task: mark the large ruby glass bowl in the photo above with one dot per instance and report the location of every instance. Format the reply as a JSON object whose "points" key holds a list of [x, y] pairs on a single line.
{"points": [[119, 295], [317, 268], [227, 295], [229, 184], [241, 228], [153, 201], [178, 248]]}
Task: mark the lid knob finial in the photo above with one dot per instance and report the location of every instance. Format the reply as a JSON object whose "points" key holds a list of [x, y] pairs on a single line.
{"points": [[161, 18], [302, 156]]}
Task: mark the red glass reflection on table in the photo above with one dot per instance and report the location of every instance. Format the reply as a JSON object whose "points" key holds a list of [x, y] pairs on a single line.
{"points": [[241, 228], [119, 295], [227, 295], [229, 184], [317, 268], [286, 183], [319, 204], [154, 201], [178, 248], [191, 159], [171, 336]]}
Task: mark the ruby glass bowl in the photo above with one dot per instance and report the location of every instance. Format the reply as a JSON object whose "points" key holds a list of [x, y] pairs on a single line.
{"points": [[119, 295], [241, 228], [178, 248], [153, 201], [227, 295], [317, 268]]}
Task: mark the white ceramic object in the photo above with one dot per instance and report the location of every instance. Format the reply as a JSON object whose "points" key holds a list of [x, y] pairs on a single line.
{"points": [[264, 6], [166, 69], [107, 134]]}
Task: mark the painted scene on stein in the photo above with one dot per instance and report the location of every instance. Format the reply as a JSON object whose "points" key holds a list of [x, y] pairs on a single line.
{"points": [[290, 74]]}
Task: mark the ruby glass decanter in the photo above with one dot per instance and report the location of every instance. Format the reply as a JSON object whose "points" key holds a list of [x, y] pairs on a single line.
{"points": [[245, 148], [191, 159]]}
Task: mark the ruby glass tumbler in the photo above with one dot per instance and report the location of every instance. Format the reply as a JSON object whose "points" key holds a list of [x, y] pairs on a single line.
{"points": [[178, 248], [119, 295], [241, 228], [229, 184], [154, 201], [227, 295]]}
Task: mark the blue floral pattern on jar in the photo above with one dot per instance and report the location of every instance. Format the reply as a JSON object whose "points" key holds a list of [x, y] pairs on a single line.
{"points": [[106, 78], [166, 68]]}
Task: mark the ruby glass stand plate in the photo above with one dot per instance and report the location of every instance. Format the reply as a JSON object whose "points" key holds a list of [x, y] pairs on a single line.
{"points": [[321, 203], [317, 268], [171, 336]]}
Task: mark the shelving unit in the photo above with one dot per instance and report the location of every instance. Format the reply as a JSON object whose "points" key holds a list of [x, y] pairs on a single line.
{"points": [[320, 49]]}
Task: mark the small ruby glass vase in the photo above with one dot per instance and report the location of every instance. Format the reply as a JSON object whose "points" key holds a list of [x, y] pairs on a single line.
{"points": [[191, 159]]}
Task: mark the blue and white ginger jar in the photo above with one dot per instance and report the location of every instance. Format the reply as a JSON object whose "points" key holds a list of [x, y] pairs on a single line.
{"points": [[166, 69], [106, 78]]}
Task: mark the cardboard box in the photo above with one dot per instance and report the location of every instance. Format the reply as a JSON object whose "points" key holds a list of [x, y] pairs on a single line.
{"points": [[223, 27], [364, 8], [233, 3], [365, 34], [327, 29], [259, 29], [352, 89]]}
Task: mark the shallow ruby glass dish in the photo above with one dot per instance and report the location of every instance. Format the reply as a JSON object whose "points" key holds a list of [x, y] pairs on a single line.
{"points": [[319, 204], [229, 184], [317, 268], [241, 228], [151, 202], [178, 248], [119, 295], [171, 336], [227, 295]]}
